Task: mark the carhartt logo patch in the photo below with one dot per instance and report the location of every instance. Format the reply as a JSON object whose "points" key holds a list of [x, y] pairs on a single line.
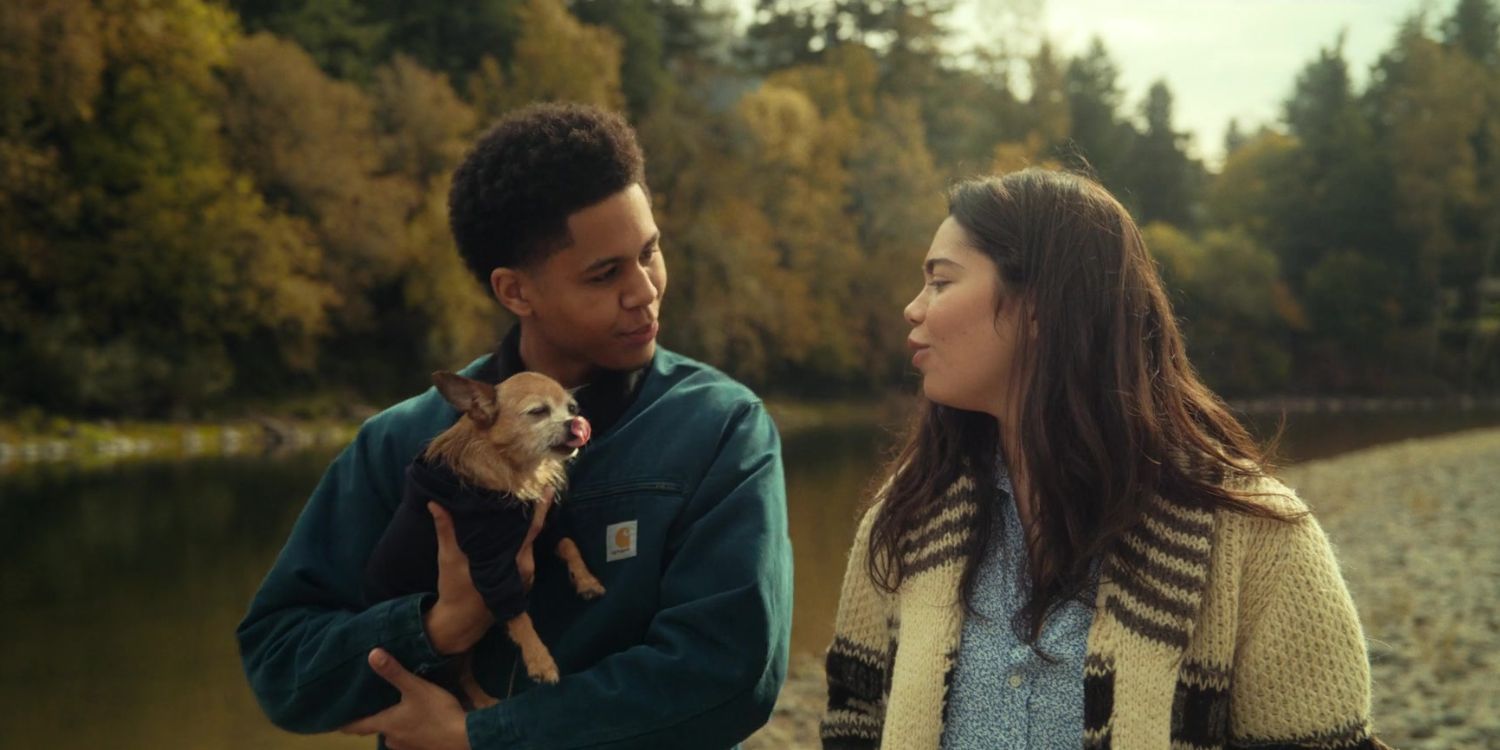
{"points": [[619, 541]]}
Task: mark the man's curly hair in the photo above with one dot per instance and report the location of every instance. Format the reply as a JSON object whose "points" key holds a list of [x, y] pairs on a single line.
{"points": [[510, 200]]}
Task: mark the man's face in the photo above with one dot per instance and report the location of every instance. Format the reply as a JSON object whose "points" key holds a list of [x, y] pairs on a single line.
{"points": [[594, 304]]}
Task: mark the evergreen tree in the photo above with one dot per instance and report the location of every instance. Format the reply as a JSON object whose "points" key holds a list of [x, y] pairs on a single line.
{"points": [[1162, 180], [1234, 138], [1099, 136], [337, 33], [1340, 191], [1474, 28], [643, 69]]}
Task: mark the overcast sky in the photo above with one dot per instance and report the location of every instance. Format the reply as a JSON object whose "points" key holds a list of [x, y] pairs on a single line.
{"points": [[1222, 59]]}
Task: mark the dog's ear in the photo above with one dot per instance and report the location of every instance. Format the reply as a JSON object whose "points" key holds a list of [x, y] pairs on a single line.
{"points": [[469, 396]]}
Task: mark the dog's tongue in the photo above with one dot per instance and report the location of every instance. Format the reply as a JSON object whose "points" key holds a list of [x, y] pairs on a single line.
{"points": [[581, 432]]}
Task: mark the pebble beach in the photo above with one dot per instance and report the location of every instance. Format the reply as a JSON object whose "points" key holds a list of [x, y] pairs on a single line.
{"points": [[1416, 526]]}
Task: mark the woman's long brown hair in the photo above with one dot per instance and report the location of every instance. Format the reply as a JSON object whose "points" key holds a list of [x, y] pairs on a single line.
{"points": [[1111, 412]]}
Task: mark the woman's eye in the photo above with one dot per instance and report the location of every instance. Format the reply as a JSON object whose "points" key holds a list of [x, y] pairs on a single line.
{"points": [[938, 284], [603, 277]]}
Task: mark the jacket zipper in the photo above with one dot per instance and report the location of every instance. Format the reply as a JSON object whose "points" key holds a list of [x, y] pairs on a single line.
{"points": [[621, 489]]}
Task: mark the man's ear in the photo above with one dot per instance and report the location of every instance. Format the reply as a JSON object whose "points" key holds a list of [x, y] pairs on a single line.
{"points": [[513, 289], [469, 396]]}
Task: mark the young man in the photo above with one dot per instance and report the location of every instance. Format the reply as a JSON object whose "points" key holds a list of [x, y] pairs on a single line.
{"points": [[678, 503]]}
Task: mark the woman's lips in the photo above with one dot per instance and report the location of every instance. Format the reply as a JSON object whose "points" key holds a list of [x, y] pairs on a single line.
{"points": [[642, 335], [918, 350]]}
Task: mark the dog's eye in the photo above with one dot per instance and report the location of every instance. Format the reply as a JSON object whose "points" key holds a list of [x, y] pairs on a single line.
{"points": [[572, 409], [537, 411]]}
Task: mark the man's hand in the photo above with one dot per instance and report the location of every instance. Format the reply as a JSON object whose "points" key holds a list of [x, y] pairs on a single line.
{"points": [[427, 718], [459, 618]]}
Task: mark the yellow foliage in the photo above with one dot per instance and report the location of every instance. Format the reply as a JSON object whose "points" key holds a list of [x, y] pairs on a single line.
{"points": [[1013, 156], [270, 274], [799, 183], [1287, 308], [1179, 257], [427, 126], [556, 58], [845, 81], [51, 61], [312, 142], [462, 320], [1049, 97], [1437, 108], [180, 40], [783, 122], [1244, 187]]}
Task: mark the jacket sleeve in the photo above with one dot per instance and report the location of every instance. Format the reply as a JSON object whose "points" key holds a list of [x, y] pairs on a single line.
{"points": [[307, 633], [714, 658], [1301, 672], [859, 660]]}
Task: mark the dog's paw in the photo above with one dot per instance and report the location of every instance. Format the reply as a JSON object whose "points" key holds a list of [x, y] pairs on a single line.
{"points": [[542, 670], [589, 588]]}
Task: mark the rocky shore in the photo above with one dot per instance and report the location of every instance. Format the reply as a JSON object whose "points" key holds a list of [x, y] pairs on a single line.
{"points": [[86, 444], [1417, 529]]}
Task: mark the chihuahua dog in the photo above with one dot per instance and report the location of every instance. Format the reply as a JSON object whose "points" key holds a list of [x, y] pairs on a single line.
{"points": [[495, 471]]}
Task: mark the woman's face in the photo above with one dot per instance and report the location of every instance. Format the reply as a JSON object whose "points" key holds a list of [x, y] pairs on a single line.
{"points": [[964, 351]]}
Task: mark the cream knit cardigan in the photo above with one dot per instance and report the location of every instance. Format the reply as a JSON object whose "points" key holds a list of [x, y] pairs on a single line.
{"points": [[1236, 632]]}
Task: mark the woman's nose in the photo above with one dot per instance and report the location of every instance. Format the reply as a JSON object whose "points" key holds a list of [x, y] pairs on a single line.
{"points": [[915, 310]]}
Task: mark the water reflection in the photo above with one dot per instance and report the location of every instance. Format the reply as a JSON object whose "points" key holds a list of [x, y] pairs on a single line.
{"points": [[121, 591], [828, 473]]}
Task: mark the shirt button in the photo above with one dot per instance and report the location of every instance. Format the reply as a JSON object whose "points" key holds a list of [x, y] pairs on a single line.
{"points": [[1015, 680]]}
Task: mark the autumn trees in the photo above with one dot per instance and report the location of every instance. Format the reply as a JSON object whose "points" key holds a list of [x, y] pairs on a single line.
{"points": [[205, 203]]}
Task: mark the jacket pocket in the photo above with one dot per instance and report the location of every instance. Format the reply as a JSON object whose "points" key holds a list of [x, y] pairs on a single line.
{"points": [[623, 524]]}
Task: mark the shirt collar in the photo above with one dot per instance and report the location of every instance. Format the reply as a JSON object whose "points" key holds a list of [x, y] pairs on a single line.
{"points": [[1002, 476]]}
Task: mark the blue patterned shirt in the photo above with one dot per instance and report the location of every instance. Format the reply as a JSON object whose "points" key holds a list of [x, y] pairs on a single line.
{"points": [[1004, 695]]}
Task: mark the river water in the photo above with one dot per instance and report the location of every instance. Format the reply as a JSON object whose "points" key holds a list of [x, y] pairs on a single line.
{"points": [[121, 587]]}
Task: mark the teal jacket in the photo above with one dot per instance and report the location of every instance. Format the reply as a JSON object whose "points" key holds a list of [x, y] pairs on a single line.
{"points": [[687, 648]]}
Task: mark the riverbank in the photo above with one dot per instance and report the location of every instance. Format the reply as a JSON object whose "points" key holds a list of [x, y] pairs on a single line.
{"points": [[37, 438], [1415, 525], [1293, 405], [41, 439]]}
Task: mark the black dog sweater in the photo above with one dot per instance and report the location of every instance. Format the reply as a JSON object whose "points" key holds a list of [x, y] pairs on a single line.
{"points": [[490, 527]]}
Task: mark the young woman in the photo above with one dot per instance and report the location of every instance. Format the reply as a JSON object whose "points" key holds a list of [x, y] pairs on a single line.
{"points": [[1079, 546]]}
